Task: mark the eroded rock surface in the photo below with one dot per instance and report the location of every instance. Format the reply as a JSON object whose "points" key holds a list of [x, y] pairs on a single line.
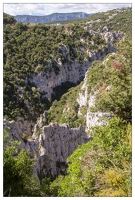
{"points": [[50, 145], [73, 71]]}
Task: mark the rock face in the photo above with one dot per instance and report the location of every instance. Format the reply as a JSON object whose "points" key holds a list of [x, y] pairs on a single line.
{"points": [[88, 100], [19, 127], [50, 145], [72, 71], [56, 144]]}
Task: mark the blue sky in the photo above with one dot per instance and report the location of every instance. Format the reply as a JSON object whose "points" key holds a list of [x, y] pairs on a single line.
{"points": [[45, 9]]}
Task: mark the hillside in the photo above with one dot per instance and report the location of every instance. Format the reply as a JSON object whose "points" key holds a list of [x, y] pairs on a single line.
{"points": [[102, 167], [40, 65], [51, 18], [98, 88], [68, 107]]}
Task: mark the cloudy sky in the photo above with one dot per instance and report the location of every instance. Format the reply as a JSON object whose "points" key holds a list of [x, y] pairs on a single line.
{"points": [[45, 9]]}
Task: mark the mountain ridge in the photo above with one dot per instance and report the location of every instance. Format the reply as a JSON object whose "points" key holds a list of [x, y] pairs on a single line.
{"points": [[52, 17]]}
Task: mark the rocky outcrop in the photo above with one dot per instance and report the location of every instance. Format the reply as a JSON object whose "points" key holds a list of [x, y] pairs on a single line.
{"points": [[88, 100], [95, 118], [19, 127], [56, 144], [73, 71], [50, 145]]}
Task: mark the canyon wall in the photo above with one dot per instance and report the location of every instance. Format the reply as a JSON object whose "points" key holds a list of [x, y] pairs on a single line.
{"points": [[88, 100], [50, 145], [73, 71]]}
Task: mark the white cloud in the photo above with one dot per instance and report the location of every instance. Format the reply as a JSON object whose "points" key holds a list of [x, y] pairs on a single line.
{"points": [[45, 9]]}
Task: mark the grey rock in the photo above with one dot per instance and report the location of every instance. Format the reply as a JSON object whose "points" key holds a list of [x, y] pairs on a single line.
{"points": [[74, 71], [54, 144]]}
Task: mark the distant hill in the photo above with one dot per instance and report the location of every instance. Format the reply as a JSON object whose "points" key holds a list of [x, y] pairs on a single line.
{"points": [[51, 18]]}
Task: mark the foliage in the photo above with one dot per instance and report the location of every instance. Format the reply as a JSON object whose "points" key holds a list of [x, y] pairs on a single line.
{"points": [[24, 137], [102, 167], [119, 98], [7, 19], [114, 20], [61, 89], [113, 73], [35, 49], [18, 171], [67, 103]]}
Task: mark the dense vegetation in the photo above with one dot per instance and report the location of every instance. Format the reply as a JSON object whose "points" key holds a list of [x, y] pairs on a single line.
{"points": [[33, 49], [7, 19], [18, 173], [102, 167], [114, 71], [28, 51], [119, 98], [68, 100], [114, 21]]}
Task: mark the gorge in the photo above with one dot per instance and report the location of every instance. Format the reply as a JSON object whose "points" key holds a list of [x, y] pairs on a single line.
{"points": [[67, 101]]}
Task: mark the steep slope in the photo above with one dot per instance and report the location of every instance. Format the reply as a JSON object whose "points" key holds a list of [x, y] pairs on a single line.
{"points": [[103, 166], [52, 144], [100, 168], [101, 93], [117, 19], [35, 65], [98, 108]]}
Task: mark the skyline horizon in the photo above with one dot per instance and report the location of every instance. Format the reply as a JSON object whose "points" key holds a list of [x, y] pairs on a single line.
{"points": [[54, 13], [35, 9]]}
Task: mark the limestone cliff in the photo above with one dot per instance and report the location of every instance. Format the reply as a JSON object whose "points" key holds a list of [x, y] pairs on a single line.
{"points": [[88, 100], [73, 71], [50, 145]]}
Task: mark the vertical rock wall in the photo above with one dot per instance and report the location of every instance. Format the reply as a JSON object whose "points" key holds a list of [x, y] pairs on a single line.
{"points": [[50, 145], [73, 71]]}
